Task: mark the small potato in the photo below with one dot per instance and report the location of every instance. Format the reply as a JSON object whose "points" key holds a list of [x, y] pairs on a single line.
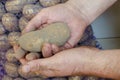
{"points": [[48, 3], [7, 78], [10, 56], [11, 69], [26, 75], [30, 10], [22, 23], [10, 22], [19, 53], [59, 78], [19, 79], [4, 44], [32, 56], [2, 10], [56, 33], [2, 29], [31, 1], [36, 79], [15, 6], [76, 78], [13, 38], [91, 78]]}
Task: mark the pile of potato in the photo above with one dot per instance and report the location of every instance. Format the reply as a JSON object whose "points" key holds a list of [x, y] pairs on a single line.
{"points": [[14, 16]]}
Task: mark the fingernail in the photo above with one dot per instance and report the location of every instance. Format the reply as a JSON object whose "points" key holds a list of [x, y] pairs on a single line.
{"points": [[26, 69]]}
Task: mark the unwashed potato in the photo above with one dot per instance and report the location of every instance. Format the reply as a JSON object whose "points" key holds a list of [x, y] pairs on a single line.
{"points": [[36, 79], [56, 33], [10, 22], [26, 75], [20, 53], [10, 56], [59, 78], [2, 29], [11, 69], [4, 44], [91, 78], [30, 10], [19, 79], [48, 3], [23, 23], [2, 10], [7, 78], [13, 38], [76, 78], [32, 56]]}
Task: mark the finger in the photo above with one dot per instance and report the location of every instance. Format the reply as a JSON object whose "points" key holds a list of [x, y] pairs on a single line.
{"points": [[55, 49], [47, 50], [23, 61], [36, 22]]}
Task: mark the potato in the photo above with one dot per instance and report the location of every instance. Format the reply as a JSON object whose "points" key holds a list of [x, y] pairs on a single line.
{"points": [[30, 10], [19, 79], [2, 29], [56, 33], [26, 75], [10, 22], [13, 38], [10, 56], [32, 56], [76, 78], [23, 23], [20, 53], [4, 44], [48, 3], [2, 10], [7, 78], [91, 78], [36, 79], [11, 69], [59, 78], [31, 1]]}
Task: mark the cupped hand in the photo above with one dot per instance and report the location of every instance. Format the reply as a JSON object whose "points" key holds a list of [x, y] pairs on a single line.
{"points": [[59, 13]]}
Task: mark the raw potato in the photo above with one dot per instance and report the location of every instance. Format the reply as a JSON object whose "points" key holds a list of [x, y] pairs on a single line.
{"points": [[19, 79], [23, 23], [36, 79], [2, 29], [76, 78], [7, 78], [20, 53], [30, 10], [48, 3], [56, 33], [11, 69], [10, 56], [4, 44], [13, 38], [59, 78], [26, 75], [10, 22], [91, 78], [2, 10], [32, 56]]}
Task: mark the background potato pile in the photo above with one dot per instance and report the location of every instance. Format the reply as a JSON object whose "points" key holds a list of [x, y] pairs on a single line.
{"points": [[14, 16]]}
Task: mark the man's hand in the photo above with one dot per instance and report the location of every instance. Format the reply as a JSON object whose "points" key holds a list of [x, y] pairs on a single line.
{"points": [[70, 62], [59, 13]]}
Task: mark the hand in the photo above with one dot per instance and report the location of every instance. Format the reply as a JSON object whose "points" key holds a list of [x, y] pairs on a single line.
{"points": [[59, 13], [75, 61]]}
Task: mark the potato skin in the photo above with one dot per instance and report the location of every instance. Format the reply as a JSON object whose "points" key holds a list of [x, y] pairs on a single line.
{"points": [[10, 56], [63, 1], [32, 56], [30, 10], [4, 44], [10, 22], [22, 23], [11, 69], [2, 10], [13, 38], [56, 33], [48, 3], [2, 29], [19, 79], [6, 77]]}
